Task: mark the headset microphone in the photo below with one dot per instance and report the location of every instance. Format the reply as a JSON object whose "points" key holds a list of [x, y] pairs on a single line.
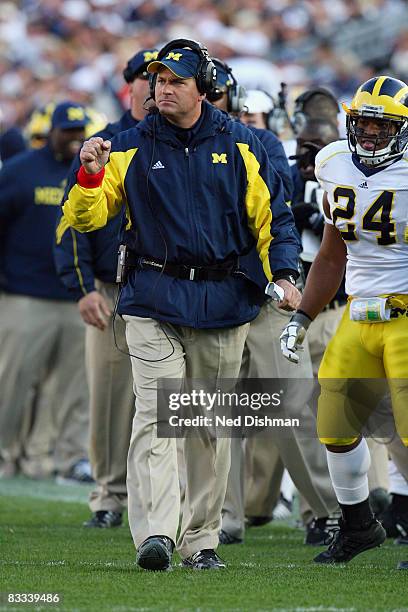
{"points": [[150, 108]]}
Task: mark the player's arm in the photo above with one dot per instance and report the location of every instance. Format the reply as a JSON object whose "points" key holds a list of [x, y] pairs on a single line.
{"points": [[94, 193], [322, 283], [327, 270]]}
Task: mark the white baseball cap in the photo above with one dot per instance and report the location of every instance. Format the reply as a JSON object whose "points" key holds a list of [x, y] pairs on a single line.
{"points": [[258, 102]]}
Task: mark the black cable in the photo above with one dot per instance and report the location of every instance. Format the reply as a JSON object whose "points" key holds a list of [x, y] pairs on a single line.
{"points": [[162, 236]]}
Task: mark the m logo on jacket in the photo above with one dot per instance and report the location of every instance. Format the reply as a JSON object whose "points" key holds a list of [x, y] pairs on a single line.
{"points": [[219, 158]]}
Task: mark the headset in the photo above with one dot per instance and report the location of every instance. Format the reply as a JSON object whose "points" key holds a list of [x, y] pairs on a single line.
{"points": [[236, 94], [299, 117], [271, 117], [277, 117], [206, 77]]}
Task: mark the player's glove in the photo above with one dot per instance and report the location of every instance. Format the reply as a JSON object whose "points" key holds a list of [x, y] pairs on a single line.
{"points": [[293, 335]]}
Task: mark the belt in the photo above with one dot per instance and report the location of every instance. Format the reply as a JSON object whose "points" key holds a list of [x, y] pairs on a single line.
{"points": [[334, 305], [217, 272]]}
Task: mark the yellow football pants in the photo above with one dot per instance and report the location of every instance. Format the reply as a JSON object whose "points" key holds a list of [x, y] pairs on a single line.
{"points": [[358, 363]]}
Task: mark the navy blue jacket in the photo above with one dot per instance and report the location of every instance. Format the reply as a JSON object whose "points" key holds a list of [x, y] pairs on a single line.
{"points": [[80, 258], [31, 187], [197, 197], [251, 264], [277, 157]]}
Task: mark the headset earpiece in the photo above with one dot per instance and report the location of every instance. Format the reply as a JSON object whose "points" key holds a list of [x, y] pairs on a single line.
{"points": [[152, 84], [299, 118], [236, 94], [236, 97]]}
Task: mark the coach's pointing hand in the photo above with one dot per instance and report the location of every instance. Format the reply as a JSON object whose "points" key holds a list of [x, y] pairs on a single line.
{"points": [[95, 154]]}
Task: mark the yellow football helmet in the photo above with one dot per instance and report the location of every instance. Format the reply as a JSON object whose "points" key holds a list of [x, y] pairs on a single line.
{"points": [[384, 99], [39, 126], [97, 121]]}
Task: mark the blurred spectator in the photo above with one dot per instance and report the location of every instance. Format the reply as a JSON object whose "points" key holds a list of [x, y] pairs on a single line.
{"points": [[58, 49], [41, 333], [399, 60], [11, 142]]}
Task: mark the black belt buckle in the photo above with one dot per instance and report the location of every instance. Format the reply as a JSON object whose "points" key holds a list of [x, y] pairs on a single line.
{"points": [[191, 273]]}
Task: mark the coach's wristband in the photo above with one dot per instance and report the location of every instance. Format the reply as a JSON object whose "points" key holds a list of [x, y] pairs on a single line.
{"points": [[90, 181], [288, 275]]}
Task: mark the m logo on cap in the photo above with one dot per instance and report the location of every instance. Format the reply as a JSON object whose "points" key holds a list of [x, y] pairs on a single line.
{"points": [[75, 114], [174, 56], [219, 158], [149, 56]]}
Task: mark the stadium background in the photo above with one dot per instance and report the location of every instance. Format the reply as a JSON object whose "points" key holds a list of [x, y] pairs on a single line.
{"points": [[52, 50]]}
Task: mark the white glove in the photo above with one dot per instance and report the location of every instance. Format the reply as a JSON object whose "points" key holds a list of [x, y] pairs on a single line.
{"points": [[293, 335]]}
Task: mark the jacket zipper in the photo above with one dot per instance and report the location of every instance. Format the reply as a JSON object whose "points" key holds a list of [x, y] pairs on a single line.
{"points": [[191, 204], [194, 224]]}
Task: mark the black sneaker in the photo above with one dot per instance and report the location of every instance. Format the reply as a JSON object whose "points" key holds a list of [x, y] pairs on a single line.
{"points": [[257, 521], [204, 560], [403, 565], [155, 553], [80, 473], [346, 543], [395, 519], [226, 538], [317, 532], [379, 501], [104, 519], [283, 509]]}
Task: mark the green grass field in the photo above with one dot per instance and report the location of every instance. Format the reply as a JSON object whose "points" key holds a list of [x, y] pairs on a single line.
{"points": [[43, 548]]}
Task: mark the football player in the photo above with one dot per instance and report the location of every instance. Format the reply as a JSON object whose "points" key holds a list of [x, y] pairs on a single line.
{"points": [[365, 205]]}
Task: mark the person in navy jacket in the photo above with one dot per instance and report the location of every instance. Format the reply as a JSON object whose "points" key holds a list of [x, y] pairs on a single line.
{"points": [[86, 264], [41, 333], [266, 457], [199, 193]]}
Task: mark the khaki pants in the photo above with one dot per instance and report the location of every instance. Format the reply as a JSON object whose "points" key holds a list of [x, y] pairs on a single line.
{"points": [[153, 481], [112, 407], [378, 472], [44, 337], [35, 440], [399, 454], [266, 457], [38, 443], [320, 332]]}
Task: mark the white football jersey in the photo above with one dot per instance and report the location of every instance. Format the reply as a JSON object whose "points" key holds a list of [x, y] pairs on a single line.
{"points": [[371, 213]]}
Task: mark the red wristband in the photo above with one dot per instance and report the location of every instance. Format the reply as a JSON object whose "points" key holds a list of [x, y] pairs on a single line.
{"points": [[90, 181]]}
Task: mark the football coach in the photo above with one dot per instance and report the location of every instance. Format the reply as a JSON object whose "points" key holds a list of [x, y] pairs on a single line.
{"points": [[199, 192]]}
